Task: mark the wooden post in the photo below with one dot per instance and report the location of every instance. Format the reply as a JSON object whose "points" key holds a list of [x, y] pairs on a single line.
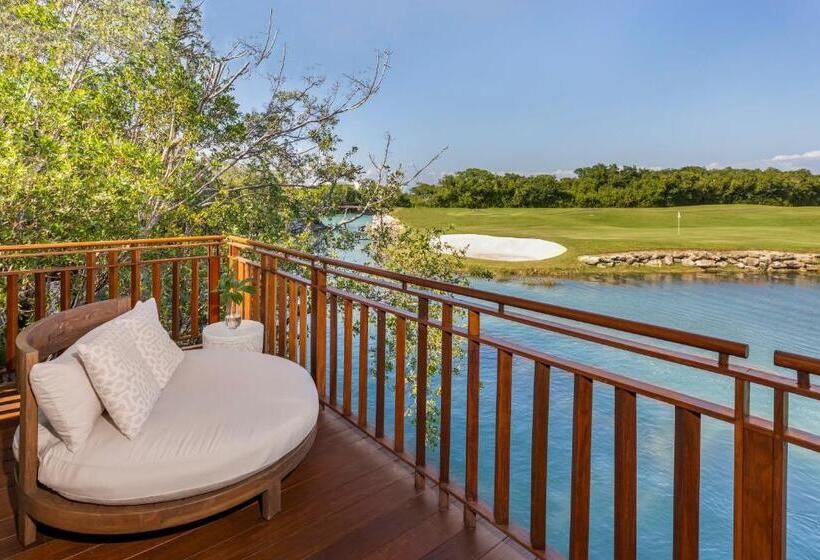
{"points": [[446, 400], [364, 338], [136, 278], [401, 341], [65, 290], [194, 299], [760, 485], [318, 326], [421, 390], [12, 320], [90, 276], [538, 484], [213, 281], [269, 266], [40, 303], [581, 458], [473, 384], [175, 301], [113, 275]]}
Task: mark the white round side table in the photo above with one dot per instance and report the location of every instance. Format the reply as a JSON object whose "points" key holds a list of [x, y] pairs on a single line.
{"points": [[248, 336]]}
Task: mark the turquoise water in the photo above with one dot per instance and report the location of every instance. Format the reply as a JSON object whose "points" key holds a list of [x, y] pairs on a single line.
{"points": [[767, 314]]}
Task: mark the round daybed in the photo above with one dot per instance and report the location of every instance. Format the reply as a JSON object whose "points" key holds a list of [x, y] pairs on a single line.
{"points": [[227, 427]]}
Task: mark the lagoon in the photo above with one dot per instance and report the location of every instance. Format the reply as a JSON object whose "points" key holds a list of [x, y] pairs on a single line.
{"points": [[767, 313]]}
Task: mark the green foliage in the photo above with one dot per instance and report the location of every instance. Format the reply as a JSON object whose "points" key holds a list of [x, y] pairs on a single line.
{"points": [[610, 186], [233, 290], [416, 252], [118, 120]]}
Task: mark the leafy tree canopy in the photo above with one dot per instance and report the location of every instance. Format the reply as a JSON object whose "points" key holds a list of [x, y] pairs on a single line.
{"points": [[613, 186], [119, 120]]}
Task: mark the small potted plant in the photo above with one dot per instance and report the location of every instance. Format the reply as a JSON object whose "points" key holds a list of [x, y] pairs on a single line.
{"points": [[232, 292]]}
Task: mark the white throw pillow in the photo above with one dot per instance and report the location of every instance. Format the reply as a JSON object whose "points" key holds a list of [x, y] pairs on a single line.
{"points": [[67, 400], [121, 377], [65, 394], [157, 349]]}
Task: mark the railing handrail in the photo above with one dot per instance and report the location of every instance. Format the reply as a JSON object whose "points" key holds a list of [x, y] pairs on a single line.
{"points": [[7, 251], [704, 342]]}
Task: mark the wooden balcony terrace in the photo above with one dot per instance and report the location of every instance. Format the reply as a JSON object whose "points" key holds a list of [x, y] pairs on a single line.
{"points": [[361, 492]]}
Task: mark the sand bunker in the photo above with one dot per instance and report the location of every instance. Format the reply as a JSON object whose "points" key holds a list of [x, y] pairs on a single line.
{"points": [[492, 248]]}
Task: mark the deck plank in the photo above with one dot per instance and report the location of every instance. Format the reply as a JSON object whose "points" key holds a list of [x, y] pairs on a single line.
{"points": [[350, 498]]}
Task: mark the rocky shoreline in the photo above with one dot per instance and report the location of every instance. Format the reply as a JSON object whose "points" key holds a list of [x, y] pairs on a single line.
{"points": [[752, 261]]}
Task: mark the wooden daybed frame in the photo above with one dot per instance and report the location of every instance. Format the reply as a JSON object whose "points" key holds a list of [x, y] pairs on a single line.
{"points": [[35, 502]]}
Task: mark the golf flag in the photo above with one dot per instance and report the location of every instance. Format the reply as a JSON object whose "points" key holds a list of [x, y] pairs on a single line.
{"points": [[678, 222]]}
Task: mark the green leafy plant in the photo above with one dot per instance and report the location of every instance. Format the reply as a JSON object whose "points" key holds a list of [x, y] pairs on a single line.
{"points": [[233, 290]]}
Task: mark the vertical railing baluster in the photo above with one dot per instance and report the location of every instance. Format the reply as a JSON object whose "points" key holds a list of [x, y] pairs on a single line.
{"points": [[256, 282], [421, 390], [269, 280], [347, 373], [780, 473], [303, 326], [90, 276], [318, 334], [292, 320], [12, 320], [741, 414], [39, 295], [626, 482], [686, 498], [398, 421], [136, 278], [113, 274], [473, 383], [446, 400], [213, 281], [364, 320], [156, 284], [65, 289], [281, 319], [334, 342], [175, 302], [503, 413], [581, 455], [380, 359], [538, 484], [194, 308]]}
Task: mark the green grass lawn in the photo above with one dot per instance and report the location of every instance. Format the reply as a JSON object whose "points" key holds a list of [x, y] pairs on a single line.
{"points": [[587, 231]]}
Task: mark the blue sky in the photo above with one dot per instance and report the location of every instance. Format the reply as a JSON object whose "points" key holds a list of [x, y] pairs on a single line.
{"points": [[532, 87]]}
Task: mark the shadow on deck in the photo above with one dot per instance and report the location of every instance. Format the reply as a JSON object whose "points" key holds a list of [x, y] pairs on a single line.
{"points": [[350, 498]]}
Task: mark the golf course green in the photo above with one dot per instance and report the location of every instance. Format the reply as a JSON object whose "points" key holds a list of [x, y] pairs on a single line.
{"points": [[589, 231]]}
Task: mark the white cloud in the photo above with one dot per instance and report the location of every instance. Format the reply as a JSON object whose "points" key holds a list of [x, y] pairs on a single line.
{"points": [[562, 173], [810, 155]]}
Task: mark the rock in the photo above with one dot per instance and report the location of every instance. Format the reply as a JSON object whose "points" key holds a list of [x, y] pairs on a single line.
{"points": [[654, 262], [668, 260], [589, 259], [705, 263]]}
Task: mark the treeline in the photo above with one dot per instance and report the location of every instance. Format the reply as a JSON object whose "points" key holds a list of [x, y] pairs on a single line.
{"points": [[613, 186]]}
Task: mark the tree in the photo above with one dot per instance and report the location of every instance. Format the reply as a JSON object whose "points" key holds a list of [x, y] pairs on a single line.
{"points": [[119, 120]]}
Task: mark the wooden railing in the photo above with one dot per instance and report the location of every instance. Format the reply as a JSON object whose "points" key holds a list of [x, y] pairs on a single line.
{"points": [[300, 296], [41, 279]]}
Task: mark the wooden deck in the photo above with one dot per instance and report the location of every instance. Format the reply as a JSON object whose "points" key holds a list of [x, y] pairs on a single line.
{"points": [[350, 498]]}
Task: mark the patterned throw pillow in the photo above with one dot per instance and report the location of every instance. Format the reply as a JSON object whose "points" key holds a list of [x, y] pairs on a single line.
{"points": [[121, 377], [157, 349]]}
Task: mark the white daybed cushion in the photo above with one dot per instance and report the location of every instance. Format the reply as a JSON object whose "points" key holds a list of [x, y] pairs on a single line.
{"points": [[65, 394], [161, 354], [223, 416]]}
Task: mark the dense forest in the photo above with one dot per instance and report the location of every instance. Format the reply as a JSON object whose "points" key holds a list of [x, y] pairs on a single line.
{"points": [[613, 186]]}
